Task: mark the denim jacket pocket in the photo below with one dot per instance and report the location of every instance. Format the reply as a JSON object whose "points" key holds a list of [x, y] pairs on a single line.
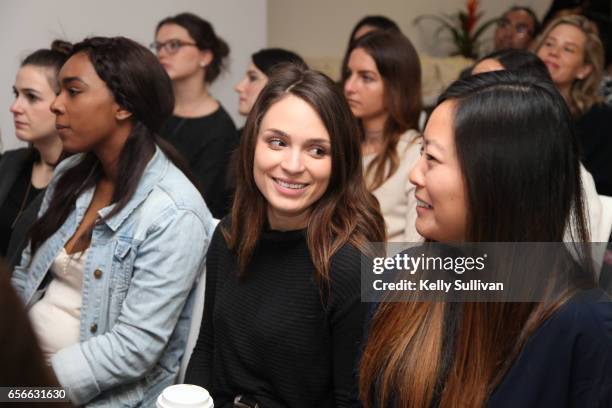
{"points": [[122, 268]]}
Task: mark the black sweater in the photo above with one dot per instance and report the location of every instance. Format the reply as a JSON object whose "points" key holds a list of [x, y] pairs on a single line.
{"points": [[567, 361], [273, 335], [206, 143]]}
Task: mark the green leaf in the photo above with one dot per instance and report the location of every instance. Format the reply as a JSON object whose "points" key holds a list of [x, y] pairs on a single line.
{"points": [[483, 27]]}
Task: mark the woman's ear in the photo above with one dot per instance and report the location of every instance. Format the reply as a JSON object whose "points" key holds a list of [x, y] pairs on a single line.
{"points": [[584, 71], [122, 113], [206, 57]]}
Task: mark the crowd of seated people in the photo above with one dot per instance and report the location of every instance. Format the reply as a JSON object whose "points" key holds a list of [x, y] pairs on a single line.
{"points": [[136, 187]]}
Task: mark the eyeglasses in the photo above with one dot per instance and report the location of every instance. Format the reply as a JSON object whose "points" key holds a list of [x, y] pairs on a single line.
{"points": [[519, 29], [171, 46]]}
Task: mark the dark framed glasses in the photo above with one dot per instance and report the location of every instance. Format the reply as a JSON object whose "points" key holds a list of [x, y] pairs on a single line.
{"points": [[171, 46]]}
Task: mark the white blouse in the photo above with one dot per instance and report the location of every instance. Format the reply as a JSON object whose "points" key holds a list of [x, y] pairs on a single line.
{"points": [[396, 194], [56, 317]]}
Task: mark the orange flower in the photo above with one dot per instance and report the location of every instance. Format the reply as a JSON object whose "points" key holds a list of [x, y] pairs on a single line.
{"points": [[472, 17]]}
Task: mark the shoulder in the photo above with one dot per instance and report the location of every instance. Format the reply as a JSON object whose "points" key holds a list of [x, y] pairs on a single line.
{"points": [[345, 266], [409, 145], [580, 329], [13, 160], [222, 116], [572, 350], [174, 193], [597, 114], [68, 163], [587, 315], [16, 154], [220, 121], [61, 168]]}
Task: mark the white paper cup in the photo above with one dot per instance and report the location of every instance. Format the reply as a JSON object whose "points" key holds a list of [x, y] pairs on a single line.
{"points": [[184, 396]]}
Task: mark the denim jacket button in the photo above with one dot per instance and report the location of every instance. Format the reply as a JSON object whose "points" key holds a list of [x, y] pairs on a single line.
{"points": [[97, 274], [93, 328]]}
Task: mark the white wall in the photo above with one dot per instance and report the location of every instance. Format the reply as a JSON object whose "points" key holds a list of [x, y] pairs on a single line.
{"points": [[320, 28], [31, 24]]}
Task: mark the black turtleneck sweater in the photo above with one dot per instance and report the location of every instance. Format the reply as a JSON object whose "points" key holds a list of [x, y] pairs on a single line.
{"points": [[273, 335]]}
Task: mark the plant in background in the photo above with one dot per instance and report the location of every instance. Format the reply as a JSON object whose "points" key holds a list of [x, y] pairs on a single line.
{"points": [[463, 27]]}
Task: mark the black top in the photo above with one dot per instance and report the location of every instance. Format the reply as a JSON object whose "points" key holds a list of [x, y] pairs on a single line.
{"points": [[594, 132], [206, 143], [18, 194], [567, 362], [274, 336]]}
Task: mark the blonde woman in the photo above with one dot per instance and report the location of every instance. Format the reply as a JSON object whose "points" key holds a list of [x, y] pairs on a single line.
{"points": [[573, 53]]}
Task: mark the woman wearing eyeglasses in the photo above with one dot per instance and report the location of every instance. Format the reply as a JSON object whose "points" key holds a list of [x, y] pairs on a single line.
{"points": [[201, 130]]}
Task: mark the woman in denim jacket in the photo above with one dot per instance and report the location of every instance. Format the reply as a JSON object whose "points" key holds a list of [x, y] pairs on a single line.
{"points": [[122, 234]]}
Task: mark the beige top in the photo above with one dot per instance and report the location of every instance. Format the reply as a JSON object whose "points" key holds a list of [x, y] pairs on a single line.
{"points": [[56, 316], [396, 194]]}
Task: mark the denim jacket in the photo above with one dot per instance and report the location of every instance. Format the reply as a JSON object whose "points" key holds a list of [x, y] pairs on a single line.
{"points": [[137, 290]]}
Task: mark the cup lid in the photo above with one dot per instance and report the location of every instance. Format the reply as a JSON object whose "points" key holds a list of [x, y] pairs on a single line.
{"points": [[185, 396]]}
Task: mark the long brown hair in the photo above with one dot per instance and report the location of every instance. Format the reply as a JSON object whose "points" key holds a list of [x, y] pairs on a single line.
{"points": [[398, 64], [346, 213], [521, 171]]}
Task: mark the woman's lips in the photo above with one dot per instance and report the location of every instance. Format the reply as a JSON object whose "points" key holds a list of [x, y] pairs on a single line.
{"points": [[551, 65]]}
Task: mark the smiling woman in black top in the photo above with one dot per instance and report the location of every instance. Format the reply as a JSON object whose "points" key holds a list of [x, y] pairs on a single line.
{"points": [[282, 312]]}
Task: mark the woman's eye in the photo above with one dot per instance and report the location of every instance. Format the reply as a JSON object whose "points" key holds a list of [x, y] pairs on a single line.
{"points": [[72, 91], [276, 143], [318, 151], [32, 97], [174, 46]]}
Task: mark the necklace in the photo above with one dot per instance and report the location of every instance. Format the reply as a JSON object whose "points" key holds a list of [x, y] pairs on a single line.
{"points": [[23, 204]]}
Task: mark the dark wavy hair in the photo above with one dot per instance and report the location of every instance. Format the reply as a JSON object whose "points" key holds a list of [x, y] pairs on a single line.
{"points": [[346, 213], [204, 36], [138, 84], [518, 157]]}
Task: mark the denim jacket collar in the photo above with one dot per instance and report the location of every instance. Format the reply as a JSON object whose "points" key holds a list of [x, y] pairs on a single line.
{"points": [[151, 175]]}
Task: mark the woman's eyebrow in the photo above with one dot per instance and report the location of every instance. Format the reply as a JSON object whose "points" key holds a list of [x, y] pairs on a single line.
{"points": [[427, 142], [67, 80]]}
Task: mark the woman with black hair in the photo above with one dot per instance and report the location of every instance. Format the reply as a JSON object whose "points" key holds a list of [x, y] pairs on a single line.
{"points": [[121, 238], [499, 163], [26, 172], [201, 130]]}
